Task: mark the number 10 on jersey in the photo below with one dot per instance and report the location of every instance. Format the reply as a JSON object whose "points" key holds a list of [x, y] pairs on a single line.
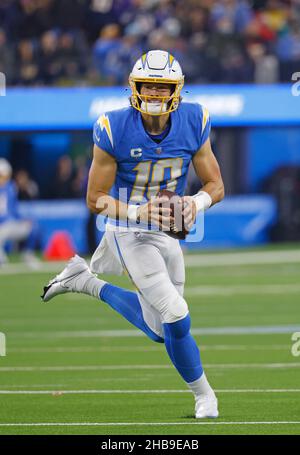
{"points": [[150, 176]]}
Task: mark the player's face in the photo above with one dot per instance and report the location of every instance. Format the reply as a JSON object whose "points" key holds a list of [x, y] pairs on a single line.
{"points": [[155, 91]]}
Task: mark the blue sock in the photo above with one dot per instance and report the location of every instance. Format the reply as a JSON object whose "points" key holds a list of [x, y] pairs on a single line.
{"points": [[127, 304], [182, 349]]}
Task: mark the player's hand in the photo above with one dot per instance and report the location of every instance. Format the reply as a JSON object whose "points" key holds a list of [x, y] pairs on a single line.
{"points": [[154, 213], [189, 211]]}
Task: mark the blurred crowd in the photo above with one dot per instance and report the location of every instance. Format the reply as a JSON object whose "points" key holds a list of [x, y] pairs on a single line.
{"points": [[95, 42], [69, 181]]}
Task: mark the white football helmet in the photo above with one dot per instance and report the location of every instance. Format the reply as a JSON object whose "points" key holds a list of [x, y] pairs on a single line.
{"points": [[158, 67], [5, 168]]}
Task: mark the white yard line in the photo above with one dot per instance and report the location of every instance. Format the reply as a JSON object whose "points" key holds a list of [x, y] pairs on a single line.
{"points": [[254, 289], [11, 387], [191, 260], [256, 330], [145, 367], [144, 424], [243, 258], [21, 268], [227, 290], [61, 349], [217, 347], [126, 392], [237, 330]]}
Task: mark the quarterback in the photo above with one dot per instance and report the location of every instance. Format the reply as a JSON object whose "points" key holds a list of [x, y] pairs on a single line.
{"points": [[140, 151]]}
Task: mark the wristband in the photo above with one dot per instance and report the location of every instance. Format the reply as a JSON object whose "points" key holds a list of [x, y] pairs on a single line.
{"points": [[202, 200], [132, 214]]}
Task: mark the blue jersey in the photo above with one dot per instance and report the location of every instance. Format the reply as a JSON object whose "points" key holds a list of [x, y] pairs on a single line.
{"points": [[144, 166], [8, 202]]}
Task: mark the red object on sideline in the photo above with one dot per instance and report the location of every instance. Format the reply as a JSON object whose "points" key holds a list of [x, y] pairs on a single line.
{"points": [[59, 247]]}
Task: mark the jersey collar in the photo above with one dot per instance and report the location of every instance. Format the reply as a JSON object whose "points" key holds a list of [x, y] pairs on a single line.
{"points": [[146, 135]]}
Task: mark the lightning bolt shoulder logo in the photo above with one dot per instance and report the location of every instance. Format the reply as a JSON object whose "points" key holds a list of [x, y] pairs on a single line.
{"points": [[204, 118], [105, 125]]}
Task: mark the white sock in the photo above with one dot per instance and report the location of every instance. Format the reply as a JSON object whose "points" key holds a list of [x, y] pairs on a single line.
{"points": [[90, 285], [201, 386]]}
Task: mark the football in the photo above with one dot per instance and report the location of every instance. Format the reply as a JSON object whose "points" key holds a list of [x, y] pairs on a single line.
{"points": [[177, 229]]}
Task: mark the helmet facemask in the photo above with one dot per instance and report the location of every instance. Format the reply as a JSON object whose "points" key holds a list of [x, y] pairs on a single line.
{"points": [[156, 67], [164, 104]]}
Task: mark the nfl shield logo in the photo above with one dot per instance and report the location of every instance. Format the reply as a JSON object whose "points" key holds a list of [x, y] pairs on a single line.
{"points": [[159, 150]]}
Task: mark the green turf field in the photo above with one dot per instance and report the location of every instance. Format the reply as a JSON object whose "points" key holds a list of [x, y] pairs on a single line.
{"points": [[75, 367]]}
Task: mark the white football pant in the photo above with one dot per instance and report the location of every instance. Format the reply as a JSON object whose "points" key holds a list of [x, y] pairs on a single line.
{"points": [[14, 230], [154, 263]]}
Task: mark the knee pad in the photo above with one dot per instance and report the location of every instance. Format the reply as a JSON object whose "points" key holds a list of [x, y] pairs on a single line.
{"points": [[164, 297], [175, 310], [178, 329]]}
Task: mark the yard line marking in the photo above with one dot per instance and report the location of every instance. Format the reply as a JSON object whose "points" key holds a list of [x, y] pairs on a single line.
{"points": [[24, 386], [83, 368], [119, 424], [228, 290], [217, 347], [20, 268], [144, 367], [243, 258], [235, 330], [93, 349], [224, 291], [125, 392], [248, 330], [191, 260]]}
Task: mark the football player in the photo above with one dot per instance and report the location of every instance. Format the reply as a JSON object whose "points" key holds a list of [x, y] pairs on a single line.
{"points": [[138, 151], [12, 226]]}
